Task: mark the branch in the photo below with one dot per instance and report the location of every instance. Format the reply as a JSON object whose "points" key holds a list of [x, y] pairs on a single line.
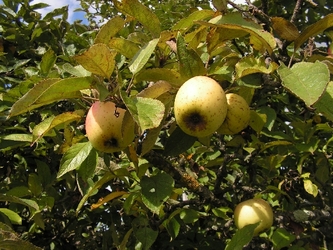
{"points": [[187, 180], [296, 10]]}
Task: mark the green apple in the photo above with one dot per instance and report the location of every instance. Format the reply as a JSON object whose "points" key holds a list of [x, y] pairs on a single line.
{"points": [[238, 115], [109, 128], [253, 211], [200, 106]]}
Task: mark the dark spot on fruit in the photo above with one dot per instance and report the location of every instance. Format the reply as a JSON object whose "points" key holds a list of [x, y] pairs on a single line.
{"points": [[194, 121], [112, 142]]}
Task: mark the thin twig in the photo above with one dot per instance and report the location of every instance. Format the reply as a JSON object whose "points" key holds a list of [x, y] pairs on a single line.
{"points": [[296, 10]]}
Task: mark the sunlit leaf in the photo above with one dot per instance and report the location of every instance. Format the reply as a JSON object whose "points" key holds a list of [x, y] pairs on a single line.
{"points": [[310, 187], [190, 63], [250, 65], [109, 30], [156, 74], [107, 198], [142, 56], [12, 216], [147, 112], [324, 104], [305, 76], [242, 237], [314, 29], [50, 91], [26, 202], [284, 28], [48, 60], [142, 13], [74, 157], [125, 47], [188, 21], [98, 59]]}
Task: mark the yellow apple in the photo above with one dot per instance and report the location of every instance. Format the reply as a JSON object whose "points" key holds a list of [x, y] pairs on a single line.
{"points": [[238, 115], [253, 211], [109, 128], [200, 106]]}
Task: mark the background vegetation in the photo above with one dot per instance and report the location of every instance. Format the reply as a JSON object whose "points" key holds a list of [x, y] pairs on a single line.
{"points": [[166, 190]]}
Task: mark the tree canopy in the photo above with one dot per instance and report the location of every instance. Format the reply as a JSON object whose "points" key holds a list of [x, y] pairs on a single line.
{"points": [[166, 189]]}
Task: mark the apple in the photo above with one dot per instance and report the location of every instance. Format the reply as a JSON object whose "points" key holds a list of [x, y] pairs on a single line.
{"points": [[109, 128], [238, 115], [200, 106], [253, 211]]}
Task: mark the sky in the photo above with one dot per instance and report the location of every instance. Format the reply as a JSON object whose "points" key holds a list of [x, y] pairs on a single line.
{"points": [[72, 5]]}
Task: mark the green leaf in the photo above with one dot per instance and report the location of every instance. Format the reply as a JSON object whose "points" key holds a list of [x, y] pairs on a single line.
{"points": [[189, 215], [156, 190], [48, 60], [250, 65], [78, 70], [282, 238], [156, 74], [88, 166], [190, 63], [49, 91], [34, 184], [310, 187], [142, 56], [12, 216], [242, 237], [260, 39], [143, 232], [314, 30], [109, 30], [26, 202], [147, 113], [143, 14], [324, 104], [98, 59], [74, 157], [257, 121], [14, 140], [187, 22], [305, 76], [125, 47], [285, 29], [178, 142], [45, 126], [173, 227]]}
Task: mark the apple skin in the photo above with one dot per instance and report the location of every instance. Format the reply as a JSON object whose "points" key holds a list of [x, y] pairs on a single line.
{"points": [[109, 128], [252, 211], [200, 106], [238, 115]]}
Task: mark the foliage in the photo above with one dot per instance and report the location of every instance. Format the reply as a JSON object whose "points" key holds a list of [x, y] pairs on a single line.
{"points": [[167, 190]]}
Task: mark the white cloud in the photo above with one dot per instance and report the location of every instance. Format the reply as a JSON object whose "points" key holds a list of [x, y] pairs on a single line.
{"points": [[72, 5]]}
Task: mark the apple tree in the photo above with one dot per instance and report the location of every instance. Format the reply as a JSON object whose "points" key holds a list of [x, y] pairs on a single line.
{"points": [[62, 85]]}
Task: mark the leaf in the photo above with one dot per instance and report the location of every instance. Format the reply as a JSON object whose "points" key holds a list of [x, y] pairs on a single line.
{"points": [[187, 22], [34, 184], [257, 121], [142, 56], [250, 65], [305, 76], [26, 202], [9, 240], [156, 74], [282, 238], [155, 90], [94, 189], [310, 187], [49, 91], [143, 14], [109, 30], [284, 28], [260, 39], [74, 157], [314, 30], [125, 47], [48, 60], [98, 59], [242, 237], [45, 126], [78, 70], [156, 190], [190, 63], [88, 166], [189, 215], [147, 113], [143, 232], [178, 142], [107, 198], [12, 216], [324, 104]]}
